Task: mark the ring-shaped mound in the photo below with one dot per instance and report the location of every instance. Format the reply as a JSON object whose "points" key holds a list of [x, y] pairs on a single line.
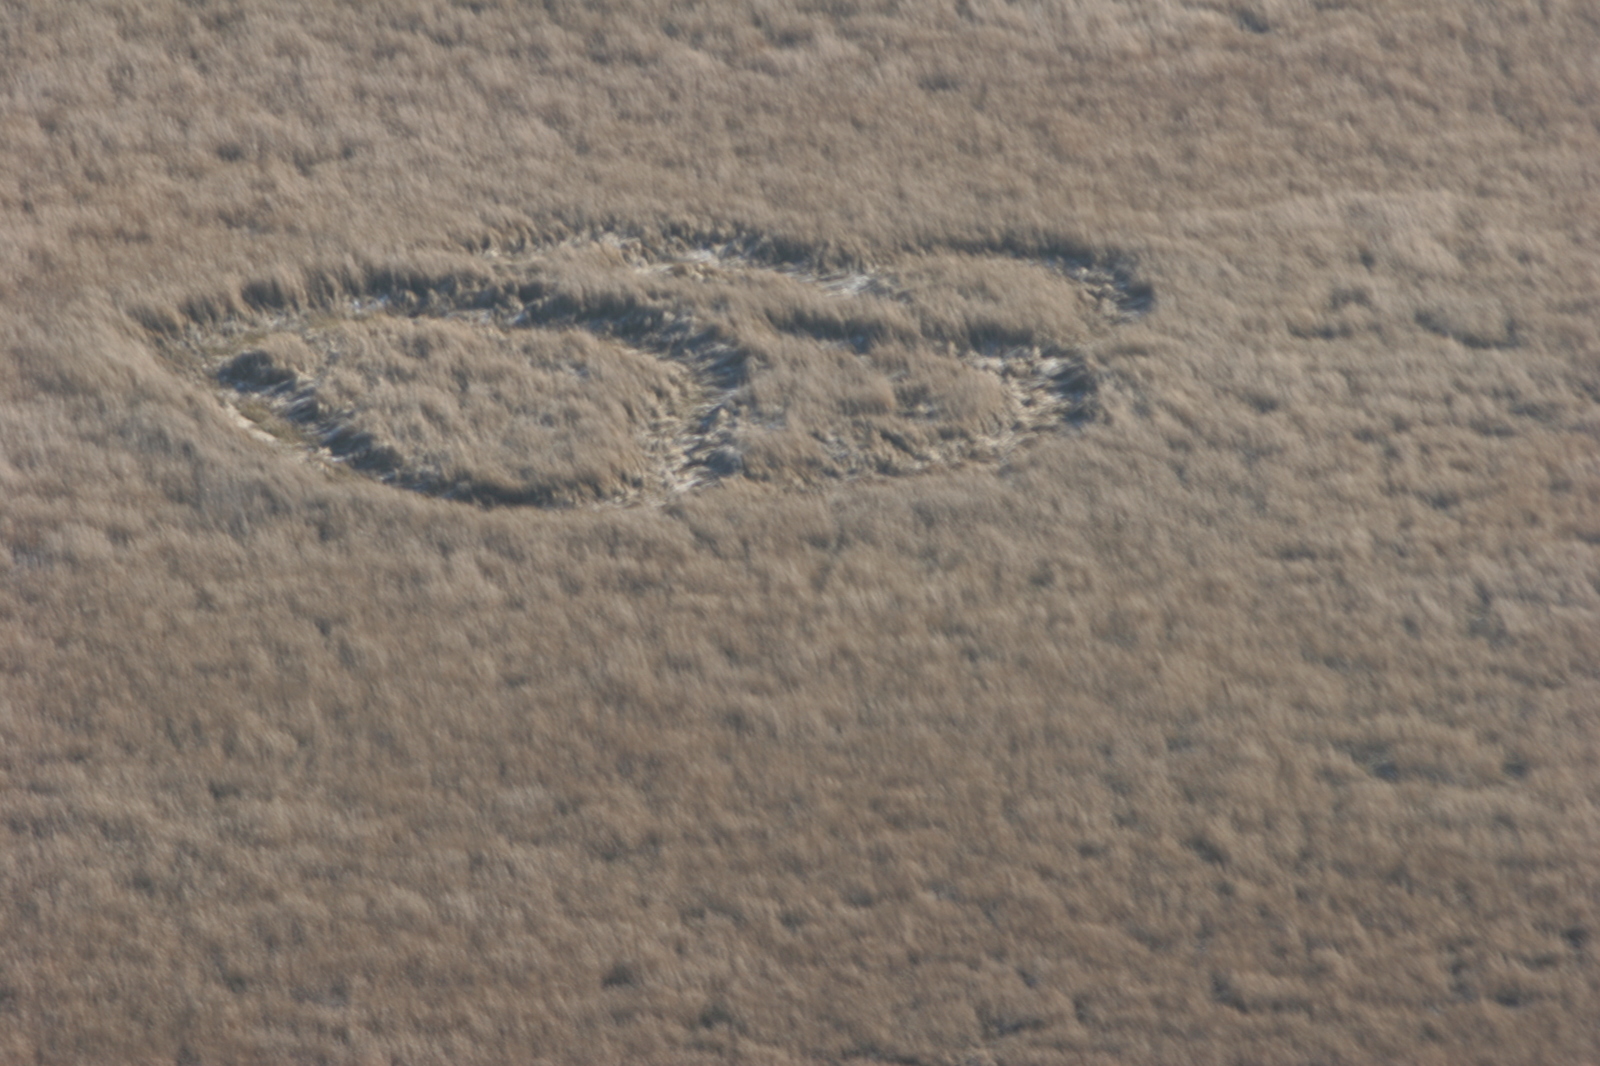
{"points": [[604, 369]]}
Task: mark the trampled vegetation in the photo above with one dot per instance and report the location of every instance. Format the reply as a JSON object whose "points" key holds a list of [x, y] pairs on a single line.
{"points": [[940, 533]]}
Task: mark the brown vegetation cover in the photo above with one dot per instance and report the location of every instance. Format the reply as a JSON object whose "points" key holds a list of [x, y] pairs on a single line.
{"points": [[799, 532]]}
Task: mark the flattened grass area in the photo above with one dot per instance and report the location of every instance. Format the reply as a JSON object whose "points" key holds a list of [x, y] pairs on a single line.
{"points": [[1246, 715]]}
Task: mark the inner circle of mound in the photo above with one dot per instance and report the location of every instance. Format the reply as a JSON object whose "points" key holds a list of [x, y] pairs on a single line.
{"points": [[606, 369], [452, 408]]}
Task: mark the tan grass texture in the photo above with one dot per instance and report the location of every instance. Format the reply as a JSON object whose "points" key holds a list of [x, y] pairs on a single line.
{"points": [[799, 532]]}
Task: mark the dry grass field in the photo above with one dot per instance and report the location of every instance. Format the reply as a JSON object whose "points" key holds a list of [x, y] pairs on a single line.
{"points": [[799, 532]]}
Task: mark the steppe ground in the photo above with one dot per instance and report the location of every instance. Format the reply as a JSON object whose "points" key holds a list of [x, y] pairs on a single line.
{"points": [[1244, 712]]}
